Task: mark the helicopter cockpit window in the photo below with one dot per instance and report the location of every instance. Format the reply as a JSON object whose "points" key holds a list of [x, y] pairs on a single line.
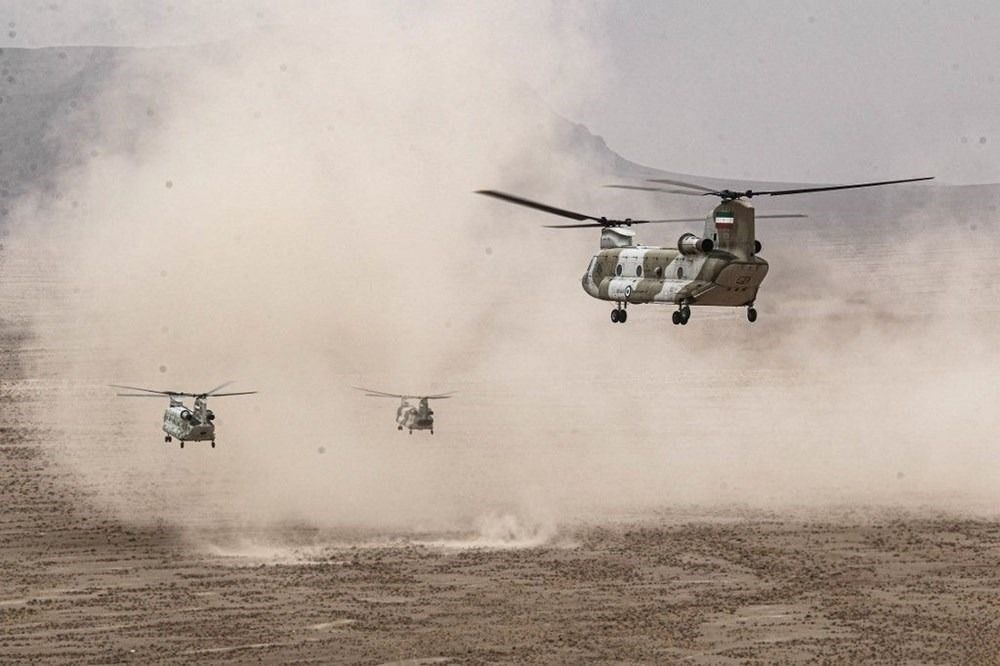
{"points": [[618, 269], [638, 271]]}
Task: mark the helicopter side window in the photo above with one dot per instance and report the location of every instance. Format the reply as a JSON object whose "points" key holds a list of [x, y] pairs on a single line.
{"points": [[618, 269], [680, 272], [638, 271], [658, 272]]}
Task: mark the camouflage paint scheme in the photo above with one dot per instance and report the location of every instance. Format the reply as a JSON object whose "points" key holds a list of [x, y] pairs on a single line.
{"points": [[727, 275]]}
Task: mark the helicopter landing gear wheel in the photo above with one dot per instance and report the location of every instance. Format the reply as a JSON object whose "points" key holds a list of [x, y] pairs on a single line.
{"points": [[182, 443], [213, 443], [622, 316], [432, 431], [751, 314], [168, 439], [686, 311], [411, 431], [399, 427], [614, 316], [676, 317]]}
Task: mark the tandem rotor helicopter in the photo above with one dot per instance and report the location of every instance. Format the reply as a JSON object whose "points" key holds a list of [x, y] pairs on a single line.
{"points": [[195, 424], [419, 417], [721, 268]]}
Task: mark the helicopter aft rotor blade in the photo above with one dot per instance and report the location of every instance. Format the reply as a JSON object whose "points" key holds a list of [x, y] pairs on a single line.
{"points": [[217, 388], [804, 190], [655, 189], [372, 393], [223, 395], [728, 194]]}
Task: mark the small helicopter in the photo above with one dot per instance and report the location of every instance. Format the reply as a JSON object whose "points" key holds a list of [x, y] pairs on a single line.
{"points": [[196, 424], [419, 417], [721, 268]]}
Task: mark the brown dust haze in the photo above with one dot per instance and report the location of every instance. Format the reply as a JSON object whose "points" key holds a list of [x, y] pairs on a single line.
{"points": [[294, 211]]}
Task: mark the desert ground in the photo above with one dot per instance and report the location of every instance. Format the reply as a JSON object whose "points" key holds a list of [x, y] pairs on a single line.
{"points": [[692, 585], [819, 488]]}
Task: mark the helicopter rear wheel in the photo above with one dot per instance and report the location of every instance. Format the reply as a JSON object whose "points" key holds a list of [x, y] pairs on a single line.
{"points": [[676, 317], [614, 316], [622, 316], [168, 439], [751, 314], [684, 318], [686, 312], [213, 443], [182, 443]]}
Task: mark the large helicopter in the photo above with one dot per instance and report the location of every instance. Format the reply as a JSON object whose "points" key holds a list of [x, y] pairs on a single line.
{"points": [[419, 417], [722, 267], [195, 424]]}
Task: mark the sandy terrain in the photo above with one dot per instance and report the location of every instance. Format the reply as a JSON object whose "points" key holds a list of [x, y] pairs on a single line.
{"points": [[698, 586]]}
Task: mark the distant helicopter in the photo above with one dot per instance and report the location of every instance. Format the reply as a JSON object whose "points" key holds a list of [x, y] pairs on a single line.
{"points": [[720, 268], [420, 417], [196, 424]]}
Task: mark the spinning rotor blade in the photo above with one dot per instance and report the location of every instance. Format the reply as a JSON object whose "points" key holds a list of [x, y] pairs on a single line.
{"points": [[626, 223], [223, 395], [573, 215], [655, 189], [142, 395], [440, 396], [372, 393], [510, 198], [681, 183], [151, 391], [729, 195], [217, 388], [780, 216], [804, 190]]}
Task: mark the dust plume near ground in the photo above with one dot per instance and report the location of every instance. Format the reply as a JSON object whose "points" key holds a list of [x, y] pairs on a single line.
{"points": [[294, 210]]}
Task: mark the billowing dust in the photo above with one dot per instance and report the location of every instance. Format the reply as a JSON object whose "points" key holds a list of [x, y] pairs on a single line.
{"points": [[299, 217]]}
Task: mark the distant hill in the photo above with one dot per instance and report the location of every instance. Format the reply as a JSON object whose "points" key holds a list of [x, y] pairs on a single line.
{"points": [[48, 122]]}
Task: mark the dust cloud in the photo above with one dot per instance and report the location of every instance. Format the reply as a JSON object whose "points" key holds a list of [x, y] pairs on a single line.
{"points": [[298, 215]]}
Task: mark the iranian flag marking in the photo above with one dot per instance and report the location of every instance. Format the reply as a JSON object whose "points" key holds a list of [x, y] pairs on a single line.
{"points": [[723, 219]]}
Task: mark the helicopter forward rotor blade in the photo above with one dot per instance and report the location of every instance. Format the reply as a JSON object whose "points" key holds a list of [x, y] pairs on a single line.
{"points": [[144, 395], [573, 215], [223, 395], [804, 190], [626, 223], [440, 396], [780, 216], [510, 198], [139, 388]]}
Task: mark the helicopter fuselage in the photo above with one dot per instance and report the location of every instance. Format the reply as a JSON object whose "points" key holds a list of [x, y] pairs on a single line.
{"points": [[189, 424], [419, 417], [642, 274]]}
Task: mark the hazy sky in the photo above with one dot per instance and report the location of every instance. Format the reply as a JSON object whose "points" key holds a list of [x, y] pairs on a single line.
{"points": [[815, 91]]}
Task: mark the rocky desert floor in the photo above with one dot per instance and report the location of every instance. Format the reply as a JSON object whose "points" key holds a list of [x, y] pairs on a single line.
{"points": [[841, 585]]}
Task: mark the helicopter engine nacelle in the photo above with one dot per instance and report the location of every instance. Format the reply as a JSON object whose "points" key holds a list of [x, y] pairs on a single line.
{"points": [[691, 244], [210, 415], [186, 415]]}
